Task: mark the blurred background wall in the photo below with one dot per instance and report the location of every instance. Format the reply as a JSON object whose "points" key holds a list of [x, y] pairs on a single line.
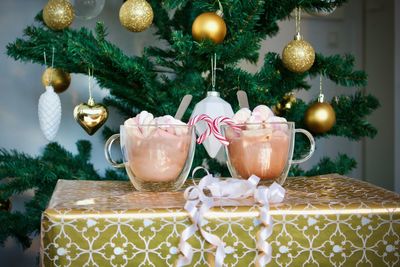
{"points": [[366, 29]]}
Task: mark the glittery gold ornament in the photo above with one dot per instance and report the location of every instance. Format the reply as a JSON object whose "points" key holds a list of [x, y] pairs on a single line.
{"points": [[320, 117], [285, 104], [58, 14], [59, 79], [209, 26], [136, 15], [298, 55]]}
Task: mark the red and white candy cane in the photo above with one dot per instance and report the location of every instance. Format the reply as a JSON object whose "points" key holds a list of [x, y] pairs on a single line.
{"points": [[215, 128], [208, 131]]}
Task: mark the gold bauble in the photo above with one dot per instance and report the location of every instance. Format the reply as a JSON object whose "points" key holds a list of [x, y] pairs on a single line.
{"points": [[298, 55], [58, 14], [136, 15], [320, 117], [60, 80], [91, 116], [209, 26]]}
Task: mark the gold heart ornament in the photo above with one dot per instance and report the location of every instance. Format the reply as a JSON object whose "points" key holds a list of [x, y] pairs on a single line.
{"points": [[91, 116]]}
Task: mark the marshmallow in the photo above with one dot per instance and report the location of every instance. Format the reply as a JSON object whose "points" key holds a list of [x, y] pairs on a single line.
{"points": [[167, 119], [278, 123], [131, 122], [251, 120], [262, 112], [165, 123], [145, 117], [242, 116]]}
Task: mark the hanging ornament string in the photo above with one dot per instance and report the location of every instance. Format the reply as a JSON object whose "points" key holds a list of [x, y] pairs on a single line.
{"points": [[298, 20], [321, 95], [91, 100], [45, 60], [52, 64], [213, 70], [220, 11]]}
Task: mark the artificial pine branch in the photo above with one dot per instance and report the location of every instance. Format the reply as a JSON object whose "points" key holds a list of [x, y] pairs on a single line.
{"points": [[20, 172]]}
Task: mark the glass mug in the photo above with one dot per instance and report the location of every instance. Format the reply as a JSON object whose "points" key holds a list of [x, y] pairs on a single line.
{"points": [[156, 157], [263, 149]]}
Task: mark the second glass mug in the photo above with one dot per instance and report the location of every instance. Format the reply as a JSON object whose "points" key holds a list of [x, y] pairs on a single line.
{"points": [[156, 157], [263, 149]]}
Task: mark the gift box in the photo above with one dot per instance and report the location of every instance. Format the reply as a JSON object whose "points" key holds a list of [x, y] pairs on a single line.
{"points": [[326, 220]]}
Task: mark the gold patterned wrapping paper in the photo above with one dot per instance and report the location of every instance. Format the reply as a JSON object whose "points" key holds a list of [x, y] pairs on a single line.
{"points": [[324, 221]]}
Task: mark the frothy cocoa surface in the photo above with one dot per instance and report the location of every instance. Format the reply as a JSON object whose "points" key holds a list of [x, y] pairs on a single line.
{"points": [[262, 152]]}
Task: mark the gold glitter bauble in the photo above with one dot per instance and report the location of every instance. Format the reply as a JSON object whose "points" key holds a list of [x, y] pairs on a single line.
{"points": [[320, 117], [60, 80], [136, 15], [58, 14], [298, 55], [209, 26]]}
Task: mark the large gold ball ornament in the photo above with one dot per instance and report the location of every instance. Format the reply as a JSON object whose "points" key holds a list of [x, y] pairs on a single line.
{"points": [[58, 14], [298, 56], [320, 117], [59, 79], [209, 26], [136, 15]]}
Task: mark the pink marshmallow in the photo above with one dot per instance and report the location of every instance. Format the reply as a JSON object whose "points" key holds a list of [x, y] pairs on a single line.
{"points": [[165, 123], [278, 123], [132, 122], [253, 123], [242, 116], [262, 112]]}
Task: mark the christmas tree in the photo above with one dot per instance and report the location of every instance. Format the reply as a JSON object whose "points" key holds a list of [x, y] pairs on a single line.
{"points": [[157, 81]]}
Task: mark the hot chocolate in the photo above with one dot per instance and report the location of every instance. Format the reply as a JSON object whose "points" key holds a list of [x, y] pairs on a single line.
{"points": [[157, 157], [156, 148], [262, 145], [262, 152]]}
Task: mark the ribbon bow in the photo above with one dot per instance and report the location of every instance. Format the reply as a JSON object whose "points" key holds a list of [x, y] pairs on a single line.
{"points": [[198, 203]]}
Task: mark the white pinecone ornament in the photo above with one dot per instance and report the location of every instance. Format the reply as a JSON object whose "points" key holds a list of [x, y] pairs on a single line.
{"points": [[49, 111]]}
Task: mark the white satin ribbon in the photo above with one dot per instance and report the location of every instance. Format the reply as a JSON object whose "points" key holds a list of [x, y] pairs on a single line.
{"points": [[198, 204]]}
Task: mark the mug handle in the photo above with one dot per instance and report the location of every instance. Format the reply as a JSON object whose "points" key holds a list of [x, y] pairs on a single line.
{"points": [[107, 151], [312, 148]]}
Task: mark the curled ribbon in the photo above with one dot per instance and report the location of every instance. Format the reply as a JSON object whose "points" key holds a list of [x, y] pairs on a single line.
{"points": [[198, 204], [213, 127]]}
